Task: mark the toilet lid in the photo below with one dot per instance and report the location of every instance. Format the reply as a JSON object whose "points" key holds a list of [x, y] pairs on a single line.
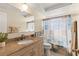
{"points": [[47, 44]]}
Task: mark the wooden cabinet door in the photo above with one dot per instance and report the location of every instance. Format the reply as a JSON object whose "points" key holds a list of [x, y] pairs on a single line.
{"points": [[38, 49], [28, 53], [35, 51]]}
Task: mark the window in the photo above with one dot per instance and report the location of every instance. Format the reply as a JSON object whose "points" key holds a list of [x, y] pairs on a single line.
{"points": [[30, 26]]}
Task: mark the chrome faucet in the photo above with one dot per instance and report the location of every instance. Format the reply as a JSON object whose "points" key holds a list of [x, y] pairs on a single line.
{"points": [[22, 37]]}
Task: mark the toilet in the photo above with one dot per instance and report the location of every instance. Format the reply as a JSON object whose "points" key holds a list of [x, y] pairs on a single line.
{"points": [[47, 47]]}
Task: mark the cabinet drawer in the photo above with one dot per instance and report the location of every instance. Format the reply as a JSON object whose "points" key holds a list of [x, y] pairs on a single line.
{"points": [[28, 53], [21, 51]]}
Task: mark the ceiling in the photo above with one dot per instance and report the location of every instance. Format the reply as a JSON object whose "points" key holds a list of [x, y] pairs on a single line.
{"points": [[46, 5], [51, 6], [12, 8], [40, 7]]}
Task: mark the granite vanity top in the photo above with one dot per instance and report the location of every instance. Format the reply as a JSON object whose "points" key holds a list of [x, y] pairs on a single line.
{"points": [[12, 47]]}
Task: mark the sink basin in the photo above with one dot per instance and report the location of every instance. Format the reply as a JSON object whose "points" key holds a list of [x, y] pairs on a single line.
{"points": [[26, 42]]}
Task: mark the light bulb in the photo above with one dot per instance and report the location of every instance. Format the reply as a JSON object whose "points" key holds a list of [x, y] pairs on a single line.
{"points": [[24, 7]]}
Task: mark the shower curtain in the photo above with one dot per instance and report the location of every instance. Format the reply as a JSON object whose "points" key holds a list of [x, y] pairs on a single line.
{"points": [[58, 31]]}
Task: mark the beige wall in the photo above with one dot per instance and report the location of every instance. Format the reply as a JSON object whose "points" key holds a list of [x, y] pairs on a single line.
{"points": [[71, 9], [14, 17], [38, 24]]}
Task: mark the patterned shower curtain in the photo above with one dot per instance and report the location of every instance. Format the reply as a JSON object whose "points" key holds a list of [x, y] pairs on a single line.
{"points": [[58, 31]]}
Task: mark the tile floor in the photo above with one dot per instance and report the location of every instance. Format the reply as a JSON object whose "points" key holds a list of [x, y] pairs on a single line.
{"points": [[60, 51]]}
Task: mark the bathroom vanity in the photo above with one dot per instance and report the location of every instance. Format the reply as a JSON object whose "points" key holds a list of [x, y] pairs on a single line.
{"points": [[18, 48]]}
